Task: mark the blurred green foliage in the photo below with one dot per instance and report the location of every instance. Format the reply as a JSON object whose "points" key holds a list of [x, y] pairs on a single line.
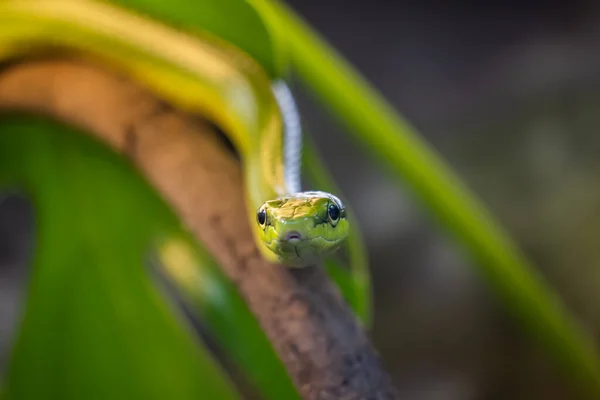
{"points": [[94, 324]]}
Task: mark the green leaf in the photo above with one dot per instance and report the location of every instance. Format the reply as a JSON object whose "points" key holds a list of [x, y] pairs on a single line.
{"points": [[381, 131], [94, 325], [232, 20]]}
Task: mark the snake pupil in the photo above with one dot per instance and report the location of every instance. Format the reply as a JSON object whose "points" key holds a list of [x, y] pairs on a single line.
{"points": [[261, 217], [334, 212]]}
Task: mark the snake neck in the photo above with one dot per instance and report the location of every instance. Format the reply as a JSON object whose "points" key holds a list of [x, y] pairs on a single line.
{"points": [[292, 138]]}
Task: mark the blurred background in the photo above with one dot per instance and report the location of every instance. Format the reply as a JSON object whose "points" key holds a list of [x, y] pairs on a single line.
{"points": [[509, 94]]}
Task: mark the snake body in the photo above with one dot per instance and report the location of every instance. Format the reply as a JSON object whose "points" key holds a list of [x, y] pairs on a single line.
{"points": [[200, 74]]}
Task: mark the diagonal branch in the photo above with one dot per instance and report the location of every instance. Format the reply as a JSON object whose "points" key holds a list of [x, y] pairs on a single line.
{"points": [[326, 352]]}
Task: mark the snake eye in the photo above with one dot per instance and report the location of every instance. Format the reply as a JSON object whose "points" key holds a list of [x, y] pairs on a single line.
{"points": [[333, 212], [261, 217]]}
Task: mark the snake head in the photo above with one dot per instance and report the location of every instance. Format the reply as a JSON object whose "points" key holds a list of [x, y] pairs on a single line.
{"points": [[302, 228]]}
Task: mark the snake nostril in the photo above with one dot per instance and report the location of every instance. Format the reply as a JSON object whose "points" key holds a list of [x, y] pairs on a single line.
{"points": [[293, 235]]}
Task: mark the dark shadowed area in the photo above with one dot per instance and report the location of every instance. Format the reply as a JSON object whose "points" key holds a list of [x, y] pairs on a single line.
{"points": [[509, 95]]}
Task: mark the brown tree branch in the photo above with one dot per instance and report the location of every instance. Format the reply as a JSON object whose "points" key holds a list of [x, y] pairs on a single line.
{"points": [[325, 350]]}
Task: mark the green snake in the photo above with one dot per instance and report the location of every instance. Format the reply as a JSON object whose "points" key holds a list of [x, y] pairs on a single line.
{"points": [[291, 227]]}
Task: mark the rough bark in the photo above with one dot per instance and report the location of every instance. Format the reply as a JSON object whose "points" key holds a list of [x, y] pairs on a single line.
{"points": [[326, 352]]}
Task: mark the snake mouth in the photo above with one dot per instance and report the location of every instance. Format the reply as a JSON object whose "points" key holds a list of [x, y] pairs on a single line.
{"points": [[292, 237]]}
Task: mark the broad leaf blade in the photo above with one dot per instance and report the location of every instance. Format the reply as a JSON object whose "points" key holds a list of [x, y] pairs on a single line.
{"points": [[94, 325]]}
